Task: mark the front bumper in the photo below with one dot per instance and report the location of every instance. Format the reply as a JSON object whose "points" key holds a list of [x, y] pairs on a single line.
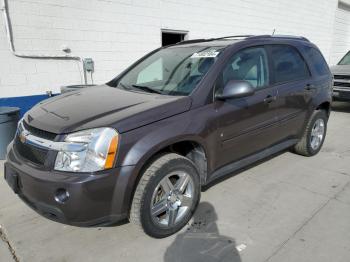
{"points": [[93, 199], [341, 94]]}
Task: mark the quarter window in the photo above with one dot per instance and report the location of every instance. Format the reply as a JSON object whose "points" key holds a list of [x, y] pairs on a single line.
{"points": [[288, 64], [318, 63]]}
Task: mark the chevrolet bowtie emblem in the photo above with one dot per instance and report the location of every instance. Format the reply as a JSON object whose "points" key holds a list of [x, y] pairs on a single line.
{"points": [[23, 136]]}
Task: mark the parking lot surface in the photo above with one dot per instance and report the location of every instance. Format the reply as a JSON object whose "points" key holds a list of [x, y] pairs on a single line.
{"points": [[287, 208]]}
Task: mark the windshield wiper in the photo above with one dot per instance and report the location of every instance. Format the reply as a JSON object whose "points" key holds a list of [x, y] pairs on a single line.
{"points": [[123, 86], [147, 89]]}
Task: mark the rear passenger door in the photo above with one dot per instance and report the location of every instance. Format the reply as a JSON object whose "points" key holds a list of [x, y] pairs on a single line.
{"points": [[292, 78]]}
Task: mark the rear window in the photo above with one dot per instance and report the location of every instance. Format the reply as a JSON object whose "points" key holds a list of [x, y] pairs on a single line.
{"points": [[318, 63], [288, 64]]}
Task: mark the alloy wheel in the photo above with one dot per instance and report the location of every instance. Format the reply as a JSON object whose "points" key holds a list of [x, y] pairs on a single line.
{"points": [[317, 134], [172, 199]]}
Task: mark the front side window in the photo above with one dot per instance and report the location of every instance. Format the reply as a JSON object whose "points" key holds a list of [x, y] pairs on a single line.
{"points": [[249, 65], [171, 71], [345, 60], [288, 64]]}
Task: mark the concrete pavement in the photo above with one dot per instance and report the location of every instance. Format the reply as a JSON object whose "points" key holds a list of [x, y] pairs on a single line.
{"points": [[288, 208]]}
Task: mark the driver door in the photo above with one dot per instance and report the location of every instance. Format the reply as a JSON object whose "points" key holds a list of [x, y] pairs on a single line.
{"points": [[246, 125]]}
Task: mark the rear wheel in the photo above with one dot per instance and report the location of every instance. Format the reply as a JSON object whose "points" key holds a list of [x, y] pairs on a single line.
{"points": [[314, 134], [166, 196]]}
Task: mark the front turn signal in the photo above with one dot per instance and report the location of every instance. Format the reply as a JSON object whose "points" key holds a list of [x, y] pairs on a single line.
{"points": [[112, 152]]}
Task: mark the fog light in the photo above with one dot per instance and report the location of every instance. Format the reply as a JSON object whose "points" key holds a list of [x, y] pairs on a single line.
{"points": [[61, 195]]}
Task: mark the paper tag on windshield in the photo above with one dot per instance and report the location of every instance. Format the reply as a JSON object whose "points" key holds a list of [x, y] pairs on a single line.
{"points": [[205, 54]]}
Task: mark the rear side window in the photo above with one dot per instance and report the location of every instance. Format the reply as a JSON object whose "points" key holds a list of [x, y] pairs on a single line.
{"points": [[317, 61], [288, 64]]}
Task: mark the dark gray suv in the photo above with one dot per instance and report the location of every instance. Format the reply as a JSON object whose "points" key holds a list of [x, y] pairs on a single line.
{"points": [[341, 73], [143, 145]]}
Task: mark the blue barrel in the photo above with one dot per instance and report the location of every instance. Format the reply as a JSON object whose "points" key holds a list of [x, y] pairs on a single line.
{"points": [[9, 117]]}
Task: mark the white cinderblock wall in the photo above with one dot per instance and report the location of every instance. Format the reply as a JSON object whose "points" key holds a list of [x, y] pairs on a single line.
{"points": [[341, 38], [117, 32]]}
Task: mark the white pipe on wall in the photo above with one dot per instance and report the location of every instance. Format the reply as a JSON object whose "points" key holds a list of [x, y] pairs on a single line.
{"points": [[9, 35]]}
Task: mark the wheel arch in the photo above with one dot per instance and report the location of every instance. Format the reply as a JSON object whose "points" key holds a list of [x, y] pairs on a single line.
{"points": [[187, 147], [325, 106]]}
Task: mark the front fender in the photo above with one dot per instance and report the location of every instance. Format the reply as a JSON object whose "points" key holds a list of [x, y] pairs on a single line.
{"points": [[139, 145]]}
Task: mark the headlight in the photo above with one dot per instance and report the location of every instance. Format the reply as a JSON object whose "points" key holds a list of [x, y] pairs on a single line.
{"points": [[88, 151]]}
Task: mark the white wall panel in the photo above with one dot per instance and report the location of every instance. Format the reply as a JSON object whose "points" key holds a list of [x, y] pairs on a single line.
{"points": [[341, 37], [117, 32]]}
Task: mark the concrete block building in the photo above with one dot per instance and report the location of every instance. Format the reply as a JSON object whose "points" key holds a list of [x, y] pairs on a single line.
{"points": [[36, 36]]}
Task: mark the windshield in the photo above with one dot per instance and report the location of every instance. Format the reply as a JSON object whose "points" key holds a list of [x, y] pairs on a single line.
{"points": [[171, 71], [345, 60]]}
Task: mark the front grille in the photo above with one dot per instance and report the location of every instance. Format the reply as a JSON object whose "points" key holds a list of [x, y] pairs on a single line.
{"points": [[342, 77], [342, 81], [33, 154], [38, 132], [342, 84]]}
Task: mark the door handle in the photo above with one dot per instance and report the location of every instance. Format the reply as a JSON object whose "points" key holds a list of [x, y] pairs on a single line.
{"points": [[310, 87], [269, 99]]}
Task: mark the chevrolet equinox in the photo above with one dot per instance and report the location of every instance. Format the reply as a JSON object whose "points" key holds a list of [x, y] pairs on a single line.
{"points": [[143, 145]]}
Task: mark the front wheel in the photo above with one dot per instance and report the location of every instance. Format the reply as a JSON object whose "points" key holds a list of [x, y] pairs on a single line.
{"points": [[166, 196], [314, 134]]}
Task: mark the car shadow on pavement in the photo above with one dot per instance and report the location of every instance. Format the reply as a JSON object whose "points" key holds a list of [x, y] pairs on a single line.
{"points": [[202, 241], [343, 107]]}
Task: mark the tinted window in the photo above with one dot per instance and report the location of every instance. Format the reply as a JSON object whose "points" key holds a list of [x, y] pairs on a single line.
{"points": [[249, 65], [318, 63], [288, 64]]}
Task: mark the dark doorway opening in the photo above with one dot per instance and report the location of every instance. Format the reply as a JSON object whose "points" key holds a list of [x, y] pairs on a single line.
{"points": [[169, 38]]}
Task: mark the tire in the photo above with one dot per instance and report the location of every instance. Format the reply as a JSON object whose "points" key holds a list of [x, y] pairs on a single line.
{"points": [[306, 147], [154, 194]]}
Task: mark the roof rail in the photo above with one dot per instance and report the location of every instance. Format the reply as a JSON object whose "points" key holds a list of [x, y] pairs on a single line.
{"points": [[193, 41], [233, 36], [212, 39], [243, 37], [280, 36]]}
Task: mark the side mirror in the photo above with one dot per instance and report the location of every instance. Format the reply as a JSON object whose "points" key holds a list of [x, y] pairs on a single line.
{"points": [[236, 89]]}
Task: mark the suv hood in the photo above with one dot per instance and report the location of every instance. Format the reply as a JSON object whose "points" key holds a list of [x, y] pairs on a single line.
{"points": [[340, 69], [103, 106]]}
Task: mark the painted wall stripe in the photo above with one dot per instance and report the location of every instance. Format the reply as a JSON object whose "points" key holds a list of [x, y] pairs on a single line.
{"points": [[23, 102]]}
